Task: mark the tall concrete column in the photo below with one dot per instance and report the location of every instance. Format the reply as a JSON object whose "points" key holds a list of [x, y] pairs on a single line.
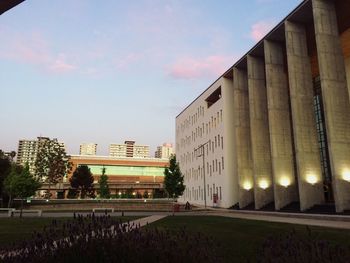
{"points": [[335, 98], [279, 125], [310, 181], [230, 183], [259, 132], [243, 156]]}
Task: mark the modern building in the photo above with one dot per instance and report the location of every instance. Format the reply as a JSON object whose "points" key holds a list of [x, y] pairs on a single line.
{"points": [[7, 5], [129, 149], [88, 149], [124, 174], [164, 151], [28, 150], [274, 129]]}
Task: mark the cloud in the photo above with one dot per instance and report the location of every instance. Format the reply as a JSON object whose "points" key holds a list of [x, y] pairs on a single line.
{"points": [[126, 61], [193, 68], [60, 65], [34, 49], [260, 29]]}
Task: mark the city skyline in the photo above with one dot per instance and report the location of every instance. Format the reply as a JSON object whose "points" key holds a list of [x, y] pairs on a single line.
{"points": [[80, 71]]}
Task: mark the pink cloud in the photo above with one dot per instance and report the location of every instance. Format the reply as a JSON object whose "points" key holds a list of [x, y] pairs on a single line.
{"points": [[192, 68], [260, 29], [32, 48]]}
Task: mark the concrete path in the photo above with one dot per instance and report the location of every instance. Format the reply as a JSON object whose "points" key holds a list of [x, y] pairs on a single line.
{"points": [[147, 220], [300, 219]]}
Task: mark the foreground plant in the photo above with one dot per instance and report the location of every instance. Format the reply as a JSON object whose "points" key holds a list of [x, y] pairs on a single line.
{"points": [[296, 248], [104, 239]]}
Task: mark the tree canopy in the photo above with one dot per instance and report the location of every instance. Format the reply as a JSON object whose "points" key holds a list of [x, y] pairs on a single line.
{"points": [[5, 168], [20, 184], [173, 179], [82, 180], [103, 182], [52, 162]]}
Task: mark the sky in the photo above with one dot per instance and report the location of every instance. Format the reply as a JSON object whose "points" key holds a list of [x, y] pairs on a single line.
{"points": [[109, 71]]}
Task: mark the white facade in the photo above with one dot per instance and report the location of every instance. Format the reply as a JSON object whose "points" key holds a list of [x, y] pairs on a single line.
{"points": [[128, 149], [27, 153], [202, 123], [164, 151], [88, 149], [28, 150]]}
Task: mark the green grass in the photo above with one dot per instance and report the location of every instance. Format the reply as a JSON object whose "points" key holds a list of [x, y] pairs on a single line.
{"points": [[240, 239], [18, 229]]}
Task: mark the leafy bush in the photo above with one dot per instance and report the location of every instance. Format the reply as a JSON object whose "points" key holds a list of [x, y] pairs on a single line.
{"points": [[103, 239], [296, 248]]}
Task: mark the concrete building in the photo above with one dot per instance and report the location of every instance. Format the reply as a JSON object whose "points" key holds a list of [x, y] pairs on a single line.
{"points": [[28, 150], [164, 151], [129, 149], [274, 129], [88, 149]]}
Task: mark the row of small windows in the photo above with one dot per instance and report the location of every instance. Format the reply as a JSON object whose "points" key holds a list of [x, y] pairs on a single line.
{"points": [[200, 131], [198, 194], [212, 167], [192, 120], [216, 143]]}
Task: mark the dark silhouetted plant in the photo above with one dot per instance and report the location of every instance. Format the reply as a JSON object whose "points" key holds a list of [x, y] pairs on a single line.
{"points": [[297, 248]]}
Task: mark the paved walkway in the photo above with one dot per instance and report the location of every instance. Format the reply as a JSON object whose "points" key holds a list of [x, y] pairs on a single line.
{"points": [[332, 221], [147, 220]]}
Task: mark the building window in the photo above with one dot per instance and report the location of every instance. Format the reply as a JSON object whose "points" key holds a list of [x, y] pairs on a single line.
{"points": [[214, 97], [222, 161], [220, 193]]}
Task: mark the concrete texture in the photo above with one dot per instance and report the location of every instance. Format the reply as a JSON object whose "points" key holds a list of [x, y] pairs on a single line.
{"points": [[304, 128], [259, 132], [243, 156], [280, 125], [335, 98]]}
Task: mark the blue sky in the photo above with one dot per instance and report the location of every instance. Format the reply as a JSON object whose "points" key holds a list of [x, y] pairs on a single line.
{"points": [[108, 71]]}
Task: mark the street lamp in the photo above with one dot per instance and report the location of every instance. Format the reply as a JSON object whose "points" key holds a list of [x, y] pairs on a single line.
{"points": [[201, 153]]}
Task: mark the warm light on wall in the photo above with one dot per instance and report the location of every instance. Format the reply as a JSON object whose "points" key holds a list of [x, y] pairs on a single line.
{"points": [[346, 175], [311, 179], [285, 182], [247, 185], [263, 184]]}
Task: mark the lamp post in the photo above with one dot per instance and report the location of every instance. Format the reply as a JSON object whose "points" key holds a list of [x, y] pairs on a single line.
{"points": [[201, 153]]}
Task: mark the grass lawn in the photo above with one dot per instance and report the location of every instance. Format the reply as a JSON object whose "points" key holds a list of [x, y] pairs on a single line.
{"points": [[240, 238], [16, 229]]}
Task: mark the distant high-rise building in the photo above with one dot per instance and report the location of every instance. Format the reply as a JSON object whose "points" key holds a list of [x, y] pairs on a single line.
{"points": [[164, 151], [28, 150], [88, 149], [129, 149]]}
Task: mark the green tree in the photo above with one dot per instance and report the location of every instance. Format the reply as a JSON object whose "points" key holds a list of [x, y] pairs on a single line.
{"points": [[83, 181], [21, 185], [5, 168], [72, 193], [103, 182], [173, 179], [52, 162]]}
